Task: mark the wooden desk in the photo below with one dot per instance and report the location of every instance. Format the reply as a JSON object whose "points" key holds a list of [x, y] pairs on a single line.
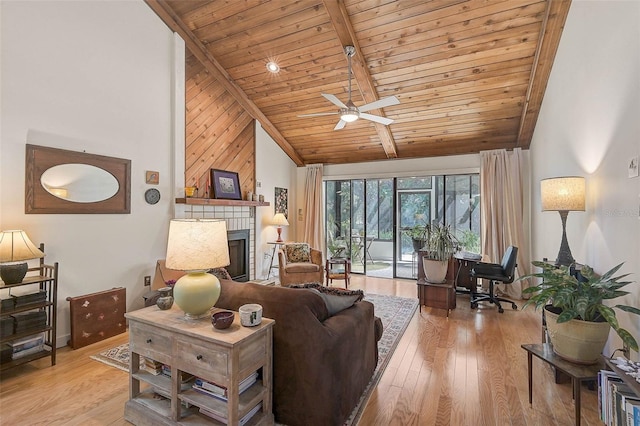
{"points": [[578, 372]]}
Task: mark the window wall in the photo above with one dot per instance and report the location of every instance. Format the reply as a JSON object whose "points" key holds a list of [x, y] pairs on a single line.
{"points": [[369, 220]]}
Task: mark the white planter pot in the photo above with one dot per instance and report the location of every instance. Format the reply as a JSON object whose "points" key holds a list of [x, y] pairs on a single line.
{"points": [[435, 271], [577, 341]]}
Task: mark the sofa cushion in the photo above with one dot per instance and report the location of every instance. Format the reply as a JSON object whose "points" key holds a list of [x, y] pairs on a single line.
{"points": [[301, 267], [336, 299], [297, 252]]}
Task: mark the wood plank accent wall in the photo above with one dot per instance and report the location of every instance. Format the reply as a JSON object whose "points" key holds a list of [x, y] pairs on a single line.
{"points": [[220, 134]]}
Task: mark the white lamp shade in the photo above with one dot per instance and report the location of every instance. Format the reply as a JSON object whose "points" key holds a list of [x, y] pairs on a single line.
{"points": [[280, 220], [15, 246], [563, 193], [197, 244]]}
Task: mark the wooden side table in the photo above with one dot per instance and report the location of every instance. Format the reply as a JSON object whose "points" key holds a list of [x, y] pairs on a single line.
{"points": [[194, 347], [578, 372], [338, 269]]}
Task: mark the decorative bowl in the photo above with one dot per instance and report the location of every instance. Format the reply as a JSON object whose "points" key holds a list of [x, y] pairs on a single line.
{"points": [[222, 320]]}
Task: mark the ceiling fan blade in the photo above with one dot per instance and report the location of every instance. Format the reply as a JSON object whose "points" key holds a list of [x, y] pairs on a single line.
{"points": [[382, 120], [318, 114], [381, 103], [340, 125], [334, 100]]}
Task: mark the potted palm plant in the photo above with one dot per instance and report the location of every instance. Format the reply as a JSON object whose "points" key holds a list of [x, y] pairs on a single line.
{"points": [[578, 320], [440, 245]]}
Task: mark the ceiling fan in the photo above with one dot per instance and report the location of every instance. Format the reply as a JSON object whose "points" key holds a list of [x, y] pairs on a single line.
{"points": [[348, 112]]}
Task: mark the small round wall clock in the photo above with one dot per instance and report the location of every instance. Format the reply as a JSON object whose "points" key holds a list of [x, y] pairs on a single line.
{"points": [[152, 196]]}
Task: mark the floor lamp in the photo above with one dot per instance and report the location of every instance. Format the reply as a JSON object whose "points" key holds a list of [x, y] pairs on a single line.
{"points": [[563, 194]]}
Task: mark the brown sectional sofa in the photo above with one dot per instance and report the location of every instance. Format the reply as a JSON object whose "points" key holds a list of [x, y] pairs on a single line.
{"points": [[321, 364]]}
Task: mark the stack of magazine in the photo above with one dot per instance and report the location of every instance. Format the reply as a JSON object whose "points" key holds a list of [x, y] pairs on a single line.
{"points": [[242, 421], [220, 392]]}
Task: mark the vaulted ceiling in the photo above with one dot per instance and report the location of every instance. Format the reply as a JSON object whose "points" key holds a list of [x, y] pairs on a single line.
{"points": [[469, 75]]}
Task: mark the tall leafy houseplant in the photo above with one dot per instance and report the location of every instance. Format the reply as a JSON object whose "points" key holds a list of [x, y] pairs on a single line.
{"points": [[440, 245], [567, 299]]}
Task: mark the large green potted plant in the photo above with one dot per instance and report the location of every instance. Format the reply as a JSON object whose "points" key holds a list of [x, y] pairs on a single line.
{"points": [[578, 320], [440, 244]]}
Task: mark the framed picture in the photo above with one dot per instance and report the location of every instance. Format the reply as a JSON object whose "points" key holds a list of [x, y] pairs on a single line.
{"points": [[281, 201], [633, 167], [152, 177], [225, 185]]}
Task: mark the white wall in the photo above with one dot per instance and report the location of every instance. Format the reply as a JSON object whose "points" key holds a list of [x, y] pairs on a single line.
{"points": [[589, 125], [77, 76], [273, 169]]}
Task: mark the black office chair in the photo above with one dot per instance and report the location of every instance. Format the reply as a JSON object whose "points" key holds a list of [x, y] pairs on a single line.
{"points": [[503, 272]]}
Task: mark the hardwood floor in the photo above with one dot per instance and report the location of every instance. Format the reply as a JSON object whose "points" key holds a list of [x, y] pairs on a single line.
{"points": [[467, 369]]}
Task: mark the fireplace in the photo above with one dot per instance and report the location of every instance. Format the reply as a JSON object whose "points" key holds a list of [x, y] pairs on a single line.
{"points": [[239, 254]]}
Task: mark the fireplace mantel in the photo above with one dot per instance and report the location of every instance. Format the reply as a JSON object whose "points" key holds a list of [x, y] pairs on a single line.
{"points": [[217, 202]]}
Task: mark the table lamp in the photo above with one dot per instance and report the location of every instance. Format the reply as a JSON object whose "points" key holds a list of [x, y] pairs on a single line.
{"points": [[563, 194], [195, 246], [280, 220], [15, 249]]}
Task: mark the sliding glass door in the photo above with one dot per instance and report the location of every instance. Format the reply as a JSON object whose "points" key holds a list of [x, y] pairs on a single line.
{"points": [[369, 220]]}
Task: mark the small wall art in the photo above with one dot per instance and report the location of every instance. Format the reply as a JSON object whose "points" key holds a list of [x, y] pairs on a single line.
{"points": [[633, 167], [152, 177], [281, 201], [225, 185]]}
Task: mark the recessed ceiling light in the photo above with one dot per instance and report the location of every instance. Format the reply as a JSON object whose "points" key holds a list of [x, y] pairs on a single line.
{"points": [[273, 67]]}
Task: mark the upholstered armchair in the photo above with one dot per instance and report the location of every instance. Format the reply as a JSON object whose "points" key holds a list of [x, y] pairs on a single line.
{"points": [[298, 264]]}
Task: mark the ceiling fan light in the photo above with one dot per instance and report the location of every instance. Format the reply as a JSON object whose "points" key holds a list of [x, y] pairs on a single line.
{"points": [[349, 117]]}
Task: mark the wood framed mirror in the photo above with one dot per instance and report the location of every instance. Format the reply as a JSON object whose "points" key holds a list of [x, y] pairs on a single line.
{"points": [[62, 181]]}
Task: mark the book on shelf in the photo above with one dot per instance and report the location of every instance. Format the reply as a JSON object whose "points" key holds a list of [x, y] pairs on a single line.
{"points": [[152, 366], [224, 420], [27, 342], [166, 371], [618, 403], [26, 352], [220, 392]]}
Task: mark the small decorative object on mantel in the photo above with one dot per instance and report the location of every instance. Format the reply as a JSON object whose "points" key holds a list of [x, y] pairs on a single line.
{"points": [[225, 185], [190, 191], [249, 195]]}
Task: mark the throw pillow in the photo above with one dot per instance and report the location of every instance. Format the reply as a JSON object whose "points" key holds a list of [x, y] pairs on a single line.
{"points": [[220, 273], [336, 299], [297, 252]]}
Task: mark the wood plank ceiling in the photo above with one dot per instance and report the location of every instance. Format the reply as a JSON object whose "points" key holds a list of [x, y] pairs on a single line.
{"points": [[470, 75]]}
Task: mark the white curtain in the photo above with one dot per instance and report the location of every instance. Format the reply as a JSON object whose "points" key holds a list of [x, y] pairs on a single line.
{"points": [[503, 216], [313, 208]]}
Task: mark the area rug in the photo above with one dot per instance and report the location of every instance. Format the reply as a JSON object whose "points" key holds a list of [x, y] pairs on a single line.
{"points": [[117, 357], [395, 313]]}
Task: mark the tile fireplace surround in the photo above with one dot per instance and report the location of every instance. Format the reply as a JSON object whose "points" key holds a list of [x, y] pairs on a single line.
{"points": [[237, 217]]}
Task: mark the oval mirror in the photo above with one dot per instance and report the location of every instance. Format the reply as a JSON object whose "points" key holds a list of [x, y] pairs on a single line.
{"points": [[80, 183]]}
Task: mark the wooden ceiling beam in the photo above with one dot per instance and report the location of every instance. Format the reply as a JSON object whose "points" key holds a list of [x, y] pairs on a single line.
{"points": [[168, 16], [341, 22]]}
